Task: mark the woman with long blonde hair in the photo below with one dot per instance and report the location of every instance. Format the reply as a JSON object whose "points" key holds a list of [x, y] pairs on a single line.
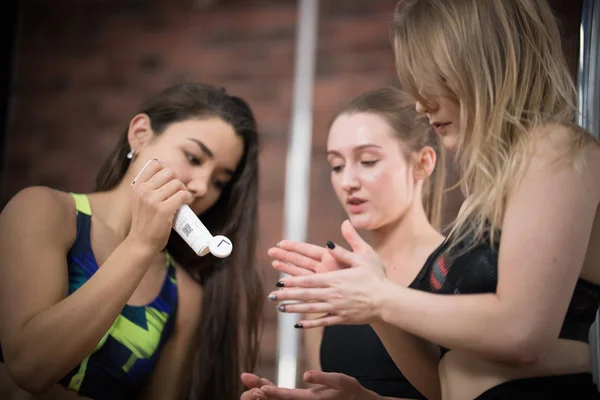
{"points": [[514, 290]]}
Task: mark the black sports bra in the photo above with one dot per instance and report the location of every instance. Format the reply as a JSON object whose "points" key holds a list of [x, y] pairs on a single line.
{"points": [[475, 271], [357, 351]]}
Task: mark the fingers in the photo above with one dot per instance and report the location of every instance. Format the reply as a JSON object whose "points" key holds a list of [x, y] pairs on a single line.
{"points": [[352, 237], [354, 240], [306, 308], [308, 250], [294, 258], [343, 256], [310, 281], [315, 294], [148, 170], [290, 269], [277, 393], [177, 200], [251, 380], [329, 379], [169, 189], [254, 382], [253, 394], [158, 182], [161, 177], [266, 382], [327, 320]]}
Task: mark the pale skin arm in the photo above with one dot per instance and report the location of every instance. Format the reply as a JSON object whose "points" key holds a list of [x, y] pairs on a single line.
{"points": [[45, 334], [172, 372], [312, 345], [540, 258], [417, 359]]}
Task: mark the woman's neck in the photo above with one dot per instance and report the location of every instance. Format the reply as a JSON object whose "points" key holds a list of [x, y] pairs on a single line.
{"points": [[409, 238]]}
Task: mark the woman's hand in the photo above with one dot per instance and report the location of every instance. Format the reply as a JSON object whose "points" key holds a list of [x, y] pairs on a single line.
{"points": [[157, 195], [331, 386], [349, 296], [297, 258], [254, 383]]}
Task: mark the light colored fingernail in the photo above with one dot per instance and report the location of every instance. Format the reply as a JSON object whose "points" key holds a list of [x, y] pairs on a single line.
{"points": [[272, 297], [281, 308]]}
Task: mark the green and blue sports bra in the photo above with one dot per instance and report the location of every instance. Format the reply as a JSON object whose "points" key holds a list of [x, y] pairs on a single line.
{"points": [[124, 358]]}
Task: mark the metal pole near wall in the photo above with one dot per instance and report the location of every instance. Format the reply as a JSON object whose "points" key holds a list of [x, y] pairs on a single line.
{"points": [[589, 67], [297, 174]]}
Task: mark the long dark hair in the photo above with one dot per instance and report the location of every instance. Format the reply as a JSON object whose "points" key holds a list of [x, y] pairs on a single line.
{"points": [[232, 303], [413, 132]]}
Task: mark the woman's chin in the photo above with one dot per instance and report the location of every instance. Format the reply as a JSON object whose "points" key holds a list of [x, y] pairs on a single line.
{"points": [[450, 142], [361, 221]]}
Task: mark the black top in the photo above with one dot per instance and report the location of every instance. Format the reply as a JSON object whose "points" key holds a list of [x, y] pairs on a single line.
{"points": [[474, 270], [356, 350]]}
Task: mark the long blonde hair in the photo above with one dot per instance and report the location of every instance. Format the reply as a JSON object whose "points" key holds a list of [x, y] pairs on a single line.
{"points": [[502, 62]]}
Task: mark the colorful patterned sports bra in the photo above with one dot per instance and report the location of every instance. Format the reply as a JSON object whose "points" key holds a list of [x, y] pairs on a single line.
{"points": [[124, 358]]}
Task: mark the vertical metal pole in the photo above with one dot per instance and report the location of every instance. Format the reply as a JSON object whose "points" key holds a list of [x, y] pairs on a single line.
{"points": [[297, 184], [589, 68]]}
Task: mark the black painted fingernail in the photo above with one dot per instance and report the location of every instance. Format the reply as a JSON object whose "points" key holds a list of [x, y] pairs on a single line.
{"points": [[272, 297], [330, 244], [281, 308], [279, 284], [298, 326]]}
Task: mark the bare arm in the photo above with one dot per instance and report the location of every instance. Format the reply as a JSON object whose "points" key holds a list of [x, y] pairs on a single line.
{"points": [[312, 346], [172, 374], [415, 357], [545, 236], [45, 334]]}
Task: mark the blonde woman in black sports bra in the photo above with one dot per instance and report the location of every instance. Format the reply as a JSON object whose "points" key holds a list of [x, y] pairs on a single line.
{"points": [[514, 290]]}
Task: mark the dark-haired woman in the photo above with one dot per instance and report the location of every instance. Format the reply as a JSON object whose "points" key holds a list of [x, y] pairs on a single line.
{"points": [[101, 299]]}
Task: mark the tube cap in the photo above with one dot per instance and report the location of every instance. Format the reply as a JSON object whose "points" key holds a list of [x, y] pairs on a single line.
{"points": [[220, 246]]}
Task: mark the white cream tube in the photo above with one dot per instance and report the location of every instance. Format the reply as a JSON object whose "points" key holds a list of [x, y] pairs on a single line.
{"points": [[196, 235], [189, 227]]}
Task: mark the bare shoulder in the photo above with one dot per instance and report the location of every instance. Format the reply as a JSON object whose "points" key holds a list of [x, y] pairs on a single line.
{"points": [[41, 198], [190, 299], [560, 146], [553, 140], [48, 209]]}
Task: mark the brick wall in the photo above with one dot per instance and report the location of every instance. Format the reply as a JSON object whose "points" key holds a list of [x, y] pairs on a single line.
{"points": [[83, 67]]}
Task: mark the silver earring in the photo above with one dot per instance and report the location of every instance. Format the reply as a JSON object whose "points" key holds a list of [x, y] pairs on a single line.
{"points": [[130, 154]]}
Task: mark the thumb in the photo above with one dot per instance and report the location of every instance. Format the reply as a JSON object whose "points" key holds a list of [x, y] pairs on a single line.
{"points": [[252, 381], [352, 237], [341, 255], [329, 379]]}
